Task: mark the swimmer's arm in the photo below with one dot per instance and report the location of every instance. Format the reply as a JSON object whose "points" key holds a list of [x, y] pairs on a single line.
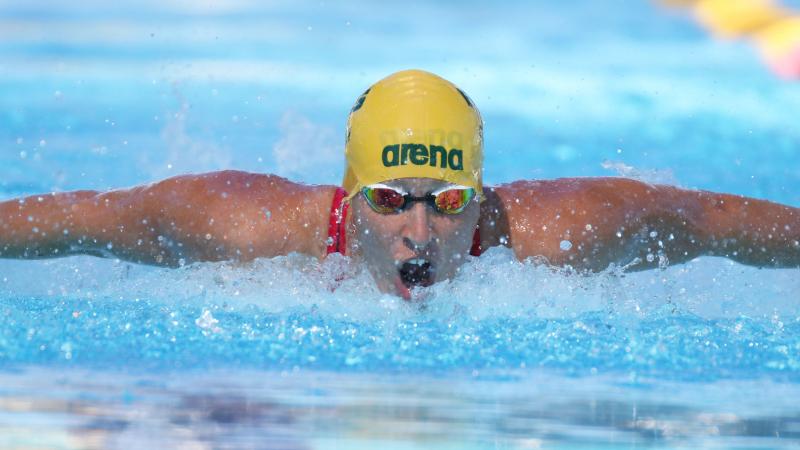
{"points": [[591, 223], [226, 215]]}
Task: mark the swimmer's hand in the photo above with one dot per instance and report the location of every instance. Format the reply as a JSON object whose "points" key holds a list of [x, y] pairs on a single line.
{"points": [[591, 223], [227, 215]]}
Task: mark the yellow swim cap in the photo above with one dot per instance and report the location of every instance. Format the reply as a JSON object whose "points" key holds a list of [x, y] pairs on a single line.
{"points": [[413, 124]]}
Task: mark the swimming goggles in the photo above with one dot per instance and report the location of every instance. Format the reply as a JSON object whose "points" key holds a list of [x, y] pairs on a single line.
{"points": [[390, 200]]}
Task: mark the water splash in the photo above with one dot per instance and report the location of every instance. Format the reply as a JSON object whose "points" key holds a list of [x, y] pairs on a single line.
{"points": [[706, 320]]}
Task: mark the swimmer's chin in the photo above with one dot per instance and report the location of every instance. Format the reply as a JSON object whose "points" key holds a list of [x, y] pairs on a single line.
{"points": [[411, 293], [403, 287]]}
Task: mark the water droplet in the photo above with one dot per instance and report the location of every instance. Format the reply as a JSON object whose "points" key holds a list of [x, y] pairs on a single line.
{"points": [[663, 261], [207, 322], [565, 245]]}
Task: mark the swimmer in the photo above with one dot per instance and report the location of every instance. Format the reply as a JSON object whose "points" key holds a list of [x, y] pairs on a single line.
{"points": [[412, 208]]}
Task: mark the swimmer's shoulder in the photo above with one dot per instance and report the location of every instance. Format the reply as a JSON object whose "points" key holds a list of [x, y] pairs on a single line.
{"points": [[543, 195], [528, 198], [542, 211], [256, 214], [237, 181]]}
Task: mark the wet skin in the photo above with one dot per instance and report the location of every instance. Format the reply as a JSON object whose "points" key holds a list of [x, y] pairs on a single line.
{"points": [[232, 215]]}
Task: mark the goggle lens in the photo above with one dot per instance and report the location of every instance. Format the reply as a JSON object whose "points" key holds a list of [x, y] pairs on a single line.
{"points": [[453, 201], [383, 200]]}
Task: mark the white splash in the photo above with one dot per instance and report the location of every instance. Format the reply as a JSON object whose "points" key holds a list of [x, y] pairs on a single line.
{"points": [[654, 176], [494, 285], [306, 148]]}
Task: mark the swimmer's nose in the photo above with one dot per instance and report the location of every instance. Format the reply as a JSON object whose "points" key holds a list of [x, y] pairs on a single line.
{"points": [[418, 229]]}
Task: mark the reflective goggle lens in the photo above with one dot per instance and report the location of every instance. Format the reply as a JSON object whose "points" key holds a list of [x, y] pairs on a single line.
{"points": [[453, 201], [384, 200]]}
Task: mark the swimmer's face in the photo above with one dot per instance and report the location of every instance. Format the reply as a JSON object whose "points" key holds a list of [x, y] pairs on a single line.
{"points": [[417, 246]]}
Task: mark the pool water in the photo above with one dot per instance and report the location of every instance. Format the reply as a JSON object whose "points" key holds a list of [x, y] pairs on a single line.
{"points": [[105, 354]]}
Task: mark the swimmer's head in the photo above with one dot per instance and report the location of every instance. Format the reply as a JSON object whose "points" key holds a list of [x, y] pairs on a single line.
{"points": [[411, 137], [413, 124]]}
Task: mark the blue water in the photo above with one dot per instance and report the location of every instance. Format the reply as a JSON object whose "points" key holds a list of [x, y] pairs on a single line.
{"points": [[104, 354]]}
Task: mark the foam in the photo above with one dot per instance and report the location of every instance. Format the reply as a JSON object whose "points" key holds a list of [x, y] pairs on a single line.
{"points": [[495, 285]]}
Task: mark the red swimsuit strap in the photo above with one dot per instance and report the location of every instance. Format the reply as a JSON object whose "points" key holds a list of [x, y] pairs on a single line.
{"points": [[337, 234], [476, 249], [336, 226]]}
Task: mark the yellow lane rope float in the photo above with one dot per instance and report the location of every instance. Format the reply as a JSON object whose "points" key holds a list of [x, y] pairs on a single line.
{"points": [[774, 29]]}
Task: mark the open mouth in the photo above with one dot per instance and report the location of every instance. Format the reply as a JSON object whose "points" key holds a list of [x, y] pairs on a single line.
{"points": [[416, 272]]}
